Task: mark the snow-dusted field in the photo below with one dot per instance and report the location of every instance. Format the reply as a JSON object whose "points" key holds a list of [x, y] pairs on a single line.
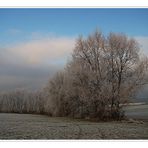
{"points": [[27, 126], [137, 111]]}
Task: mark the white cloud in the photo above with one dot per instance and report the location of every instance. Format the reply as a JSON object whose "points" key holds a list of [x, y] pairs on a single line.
{"points": [[30, 64], [40, 51]]}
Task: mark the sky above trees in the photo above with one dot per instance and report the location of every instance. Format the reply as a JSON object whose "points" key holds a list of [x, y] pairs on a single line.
{"points": [[35, 43]]}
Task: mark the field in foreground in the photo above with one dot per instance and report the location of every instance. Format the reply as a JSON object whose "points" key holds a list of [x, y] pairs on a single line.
{"points": [[27, 126]]}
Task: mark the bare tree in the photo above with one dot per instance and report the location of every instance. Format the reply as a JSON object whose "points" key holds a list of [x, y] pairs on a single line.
{"points": [[125, 62], [103, 74], [21, 101]]}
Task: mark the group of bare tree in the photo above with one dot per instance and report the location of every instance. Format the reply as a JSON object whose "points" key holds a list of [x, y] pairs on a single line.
{"points": [[21, 101], [103, 74]]}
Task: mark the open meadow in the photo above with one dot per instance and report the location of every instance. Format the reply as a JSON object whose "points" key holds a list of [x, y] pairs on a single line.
{"points": [[28, 126]]}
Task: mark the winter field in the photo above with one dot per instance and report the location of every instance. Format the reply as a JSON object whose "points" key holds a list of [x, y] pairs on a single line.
{"points": [[28, 126], [138, 112]]}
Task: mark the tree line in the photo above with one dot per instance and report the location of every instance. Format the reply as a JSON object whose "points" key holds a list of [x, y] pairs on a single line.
{"points": [[22, 101], [104, 73]]}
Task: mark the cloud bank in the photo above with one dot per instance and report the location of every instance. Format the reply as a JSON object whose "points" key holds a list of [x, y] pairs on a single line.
{"points": [[30, 64], [38, 52]]}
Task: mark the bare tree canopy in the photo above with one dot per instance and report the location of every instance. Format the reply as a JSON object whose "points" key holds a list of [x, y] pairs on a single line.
{"points": [[104, 73]]}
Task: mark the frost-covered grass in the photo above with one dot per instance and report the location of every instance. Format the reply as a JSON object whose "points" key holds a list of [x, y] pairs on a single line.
{"points": [[27, 126]]}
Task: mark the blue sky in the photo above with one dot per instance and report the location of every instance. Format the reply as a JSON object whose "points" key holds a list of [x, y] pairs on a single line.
{"points": [[70, 22], [35, 43]]}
